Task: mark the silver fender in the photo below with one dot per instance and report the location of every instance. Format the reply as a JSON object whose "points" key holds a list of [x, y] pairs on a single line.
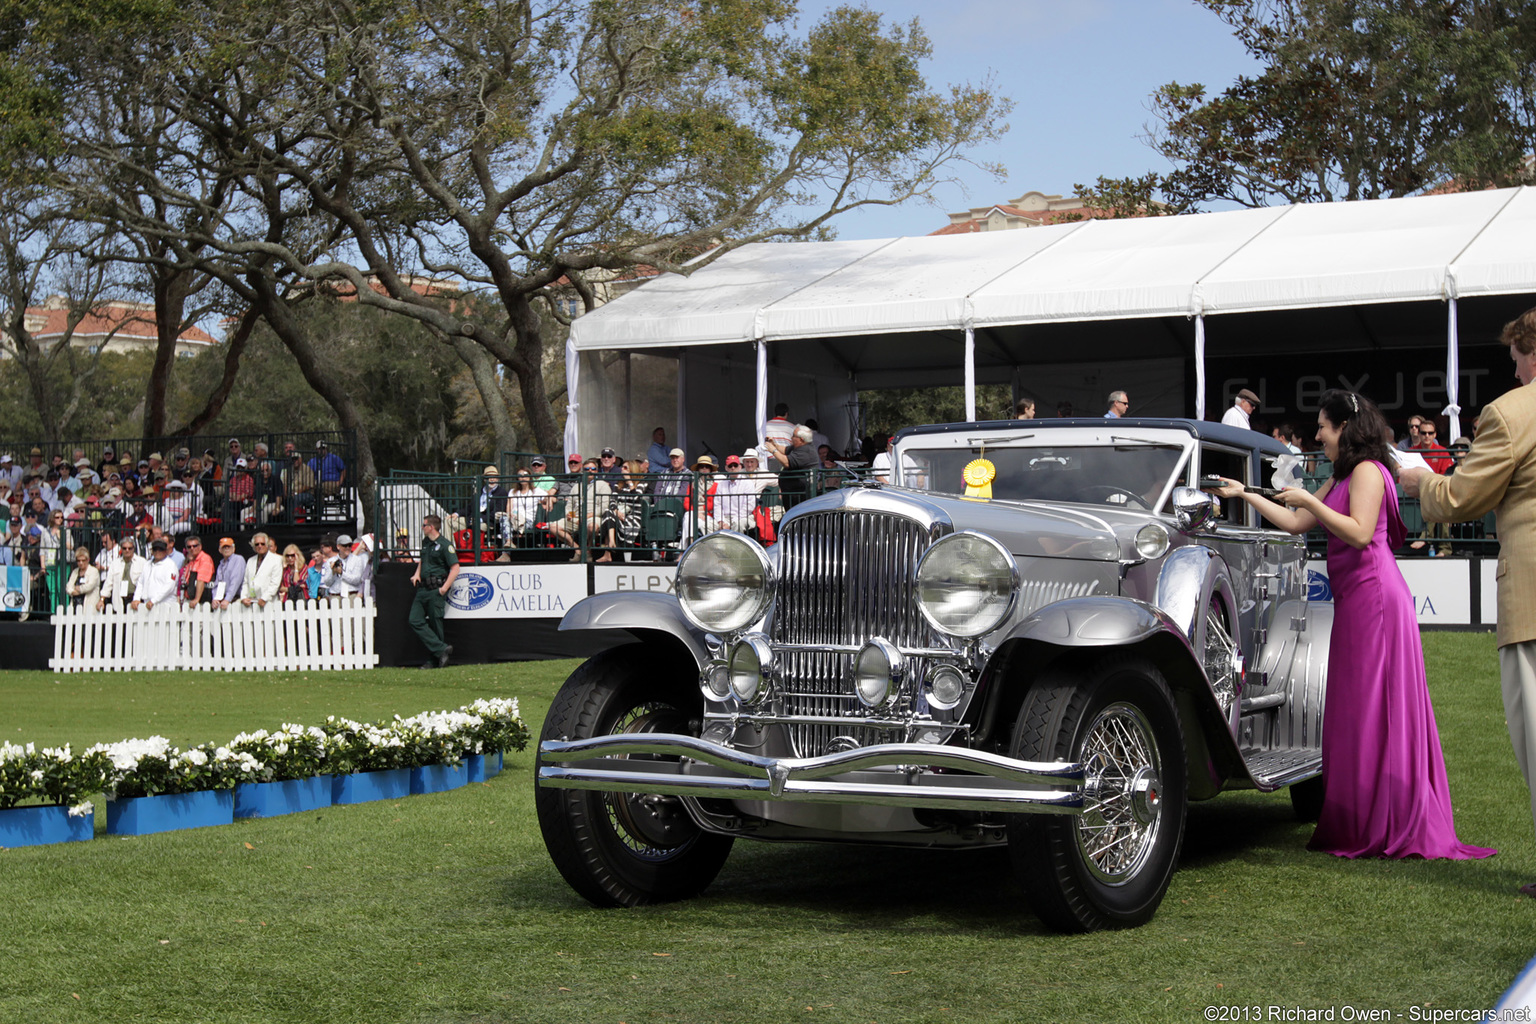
{"points": [[1191, 577], [1185, 585], [1210, 750], [639, 614], [1099, 621]]}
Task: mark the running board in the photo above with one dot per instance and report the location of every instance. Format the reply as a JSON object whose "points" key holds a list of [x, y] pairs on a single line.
{"points": [[1272, 769]]}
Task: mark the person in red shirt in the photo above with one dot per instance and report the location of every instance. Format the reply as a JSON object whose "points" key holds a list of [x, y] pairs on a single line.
{"points": [[1429, 446]]}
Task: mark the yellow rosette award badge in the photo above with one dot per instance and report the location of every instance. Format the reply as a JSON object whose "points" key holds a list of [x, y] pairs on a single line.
{"points": [[979, 474]]}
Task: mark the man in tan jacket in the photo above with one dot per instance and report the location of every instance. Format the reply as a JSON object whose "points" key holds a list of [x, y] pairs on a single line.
{"points": [[1499, 473]]}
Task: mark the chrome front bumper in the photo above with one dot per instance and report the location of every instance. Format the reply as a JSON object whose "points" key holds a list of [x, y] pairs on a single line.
{"points": [[887, 774]]}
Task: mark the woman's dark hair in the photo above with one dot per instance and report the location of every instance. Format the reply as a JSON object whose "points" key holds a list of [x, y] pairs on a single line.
{"points": [[1363, 432]]}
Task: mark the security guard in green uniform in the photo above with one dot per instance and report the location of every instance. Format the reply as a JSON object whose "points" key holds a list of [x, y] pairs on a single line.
{"points": [[435, 573]]}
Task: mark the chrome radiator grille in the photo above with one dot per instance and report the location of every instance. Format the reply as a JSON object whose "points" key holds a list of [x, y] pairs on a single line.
{"points": [[844, 576]]}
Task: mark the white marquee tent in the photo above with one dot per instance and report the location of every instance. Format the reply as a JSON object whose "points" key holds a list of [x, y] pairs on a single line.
{"points": [[914, 311]]}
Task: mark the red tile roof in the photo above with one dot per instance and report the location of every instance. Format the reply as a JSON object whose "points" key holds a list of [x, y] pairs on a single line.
{"points": [[121, 320]]}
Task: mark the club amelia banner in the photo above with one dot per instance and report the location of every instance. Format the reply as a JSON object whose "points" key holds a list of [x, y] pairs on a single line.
{"points": [[17, 589], [516, 591]]}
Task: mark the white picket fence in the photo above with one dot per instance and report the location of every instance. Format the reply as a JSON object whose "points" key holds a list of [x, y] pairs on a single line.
{"points": [[302, 635]]}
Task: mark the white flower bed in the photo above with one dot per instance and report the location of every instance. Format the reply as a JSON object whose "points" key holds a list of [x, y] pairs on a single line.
{"points": [[147, 767]]}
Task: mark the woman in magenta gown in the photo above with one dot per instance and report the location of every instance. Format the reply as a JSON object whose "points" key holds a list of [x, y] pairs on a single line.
{"points": [[1386, 792]]}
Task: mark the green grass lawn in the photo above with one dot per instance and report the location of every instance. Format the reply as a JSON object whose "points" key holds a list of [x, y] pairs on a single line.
{"points": [[445, 908]]}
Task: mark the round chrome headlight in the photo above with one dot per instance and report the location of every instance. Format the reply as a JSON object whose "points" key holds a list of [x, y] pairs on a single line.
{"points": [[946, 685], [966, 584], [715, 681], [724, 582], [751, 669], [878, 671], [1152, 540]]}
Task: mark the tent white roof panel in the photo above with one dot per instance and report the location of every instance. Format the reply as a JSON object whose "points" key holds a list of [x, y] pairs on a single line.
{"points": [[1120, 268], [1340, 254], [720, 303], [1502, 259], [908, 284]]}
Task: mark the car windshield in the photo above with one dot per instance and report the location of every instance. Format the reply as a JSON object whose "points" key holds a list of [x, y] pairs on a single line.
{"points": [[1134, 474]]}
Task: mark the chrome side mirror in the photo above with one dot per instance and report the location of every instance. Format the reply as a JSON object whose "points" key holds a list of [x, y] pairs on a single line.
{"points": [[1194, 509]]}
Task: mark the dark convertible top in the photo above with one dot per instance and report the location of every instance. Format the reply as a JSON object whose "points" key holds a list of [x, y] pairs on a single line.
{"points": [[1203, 429]]}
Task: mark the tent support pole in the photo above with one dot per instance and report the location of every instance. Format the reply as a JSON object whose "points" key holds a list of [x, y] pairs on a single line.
{"points": [[970, 373], [1200, 366], [572, 373], [1452, 372], [762, 390]]}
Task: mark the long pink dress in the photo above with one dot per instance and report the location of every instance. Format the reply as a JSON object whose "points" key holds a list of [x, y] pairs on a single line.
{"points": [[1386, 792]]}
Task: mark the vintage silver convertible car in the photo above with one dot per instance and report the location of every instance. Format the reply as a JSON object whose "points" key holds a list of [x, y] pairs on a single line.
{"points": [[1042, 633]]}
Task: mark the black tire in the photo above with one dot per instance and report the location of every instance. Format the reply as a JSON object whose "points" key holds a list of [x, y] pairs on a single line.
{"points": [[1119, 707], [626, 849], [1307, 798]]}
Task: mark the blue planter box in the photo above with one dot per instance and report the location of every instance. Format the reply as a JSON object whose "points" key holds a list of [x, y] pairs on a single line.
{"points": [[38, 826], [292, 796], [482, 766], [144, 815], [438, 778], [361, 787]]}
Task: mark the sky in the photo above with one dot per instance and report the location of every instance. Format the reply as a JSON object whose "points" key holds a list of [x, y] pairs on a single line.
{"points": [[1080, 73]]}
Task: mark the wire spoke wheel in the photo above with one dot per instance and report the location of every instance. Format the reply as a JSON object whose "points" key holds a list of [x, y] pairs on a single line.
{"points": [[1223, 666], [1119, 824], [1110, 865], [650, 825]]}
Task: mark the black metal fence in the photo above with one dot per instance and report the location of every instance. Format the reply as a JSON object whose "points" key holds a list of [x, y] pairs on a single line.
{"points": [[526, 516]]}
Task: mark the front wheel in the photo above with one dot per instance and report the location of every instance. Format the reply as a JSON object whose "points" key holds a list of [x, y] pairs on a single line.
{"points": [[1109, 866], [625, 849]]}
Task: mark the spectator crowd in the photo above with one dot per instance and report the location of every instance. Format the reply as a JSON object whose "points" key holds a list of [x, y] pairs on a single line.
{"points": [[142, 569], [131, 531], [187, 494]]}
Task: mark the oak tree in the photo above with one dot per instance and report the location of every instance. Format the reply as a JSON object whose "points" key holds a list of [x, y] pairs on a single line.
{"points": [[1357, 99]]}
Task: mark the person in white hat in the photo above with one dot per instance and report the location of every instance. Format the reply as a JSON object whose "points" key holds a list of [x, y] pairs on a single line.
{"points": [[178, 512], [85, 473], [735, 498], [752, 469], [10, 472], [674, 482], [263, 573], [357, 568]]}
